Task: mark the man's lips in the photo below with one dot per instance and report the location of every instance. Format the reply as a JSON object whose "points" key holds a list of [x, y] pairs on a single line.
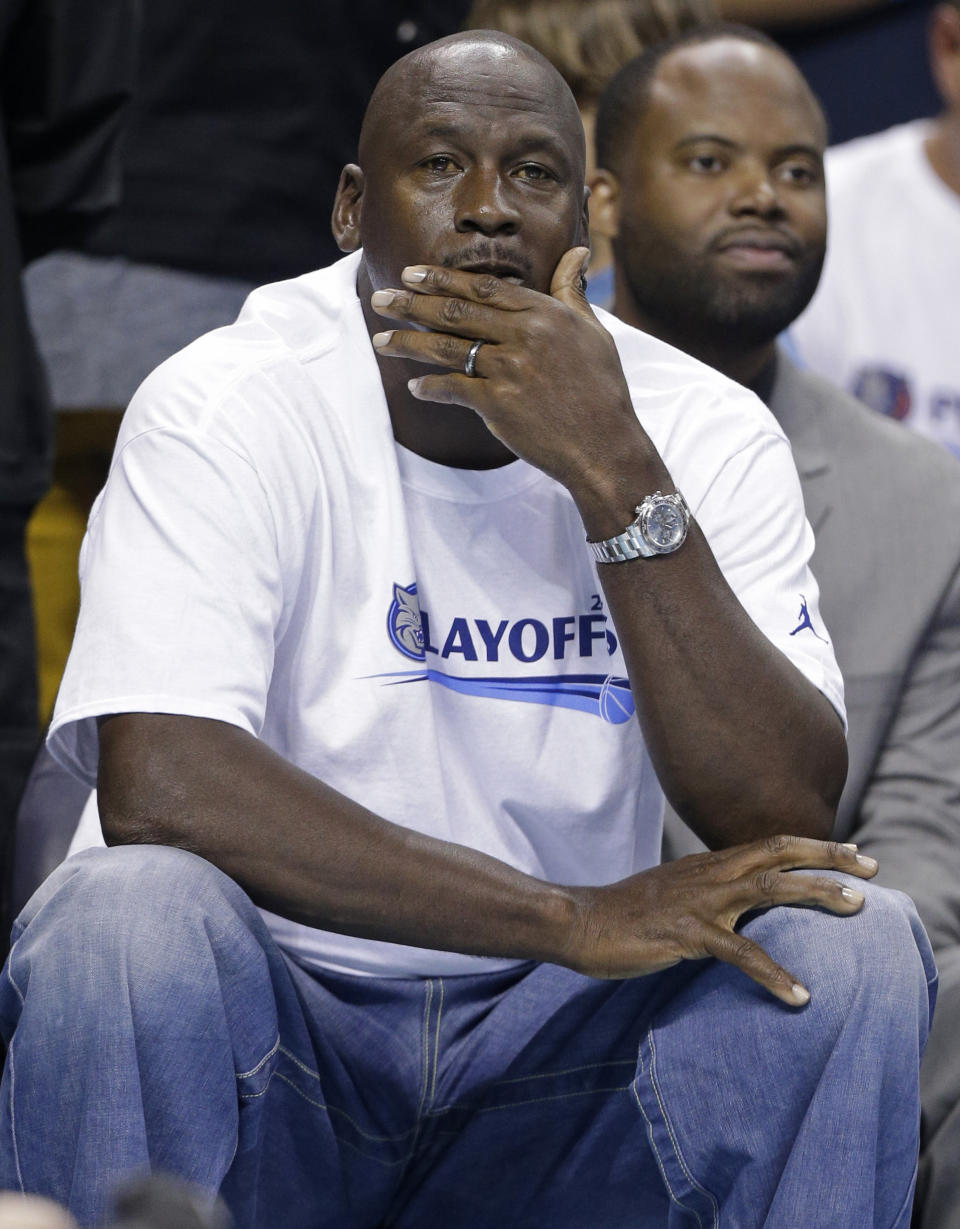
{"points": [[493, 257], [758, 249], [505, 271]]}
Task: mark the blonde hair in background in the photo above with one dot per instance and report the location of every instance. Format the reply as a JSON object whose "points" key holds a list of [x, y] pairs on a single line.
{"points": [[587, 41]]}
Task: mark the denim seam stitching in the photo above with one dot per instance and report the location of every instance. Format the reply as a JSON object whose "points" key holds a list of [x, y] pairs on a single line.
{"points": [[436, 1045], [339, 1138], [245, 1075], [509, 1105], [546, 1075], [654, 1084], [10, 977], [660, 1165], [558, 1096], [328, 1109], [418, 1118], [13, 1119], [297, 1063], [427, 1003], [377, 1160]]}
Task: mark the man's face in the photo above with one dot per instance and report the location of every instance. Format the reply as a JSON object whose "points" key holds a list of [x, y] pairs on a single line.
{"points": [[718, 213], [473, 161]]}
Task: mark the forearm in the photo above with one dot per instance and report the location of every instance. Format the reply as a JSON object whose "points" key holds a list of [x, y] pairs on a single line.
{"points": [[743, 744], [307, 852]]}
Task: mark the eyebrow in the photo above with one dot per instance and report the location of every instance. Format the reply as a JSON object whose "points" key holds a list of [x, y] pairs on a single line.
{"points": [[798, 147], [524, 142]]}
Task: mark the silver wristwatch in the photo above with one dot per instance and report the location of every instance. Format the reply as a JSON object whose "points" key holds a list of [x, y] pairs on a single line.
{"points": [[660, 528]]}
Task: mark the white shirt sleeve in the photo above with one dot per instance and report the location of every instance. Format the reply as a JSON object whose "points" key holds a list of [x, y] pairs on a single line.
{"points": [[768, 567], [186, 524]]}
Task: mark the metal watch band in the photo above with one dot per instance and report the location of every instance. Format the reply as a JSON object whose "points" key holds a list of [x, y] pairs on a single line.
{"points": [[626, 545], [637, 541]]}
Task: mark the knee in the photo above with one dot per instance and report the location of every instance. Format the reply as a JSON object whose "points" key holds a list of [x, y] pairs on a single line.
{"points": [[884, 947], [133, 901], [148, 930], [134, 947], [880, 954]]}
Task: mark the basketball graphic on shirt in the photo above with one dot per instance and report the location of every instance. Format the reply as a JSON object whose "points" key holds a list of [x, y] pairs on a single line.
{"points": [[615, 703]]}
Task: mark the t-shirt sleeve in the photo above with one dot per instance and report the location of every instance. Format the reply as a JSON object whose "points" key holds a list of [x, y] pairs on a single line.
{"points": [[753, 516], [181, 593]]}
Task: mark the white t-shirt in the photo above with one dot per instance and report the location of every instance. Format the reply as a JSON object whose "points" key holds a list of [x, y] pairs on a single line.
{"points": [[431, 642], [885, 321]]}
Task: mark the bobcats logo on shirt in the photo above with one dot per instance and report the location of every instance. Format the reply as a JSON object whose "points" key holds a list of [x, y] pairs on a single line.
{"points": [[403, 622]]}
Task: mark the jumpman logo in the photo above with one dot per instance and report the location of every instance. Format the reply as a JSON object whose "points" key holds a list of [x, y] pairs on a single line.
{"points": [[805, 623]]}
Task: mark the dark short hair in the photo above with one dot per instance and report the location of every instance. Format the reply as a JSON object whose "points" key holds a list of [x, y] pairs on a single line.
{"points": [[625, 98]]}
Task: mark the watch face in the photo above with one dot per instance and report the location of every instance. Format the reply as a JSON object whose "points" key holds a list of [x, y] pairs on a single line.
{"points": [[664, 525]]}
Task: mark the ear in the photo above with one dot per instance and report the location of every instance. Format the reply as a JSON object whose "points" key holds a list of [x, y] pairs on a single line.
{"points": [[345, 221], [605, 204], [944, 44], [583, 234]]}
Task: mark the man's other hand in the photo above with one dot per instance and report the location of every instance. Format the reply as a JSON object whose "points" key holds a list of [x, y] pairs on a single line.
{"points": [[689, 909]]}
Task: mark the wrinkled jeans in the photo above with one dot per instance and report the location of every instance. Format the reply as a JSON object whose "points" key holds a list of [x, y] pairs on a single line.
{"points": [[155, 1022]]}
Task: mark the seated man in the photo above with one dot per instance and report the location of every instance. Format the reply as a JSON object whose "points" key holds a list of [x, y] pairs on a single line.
{"points": [[713, 194], [345, 655], [883, 323]]}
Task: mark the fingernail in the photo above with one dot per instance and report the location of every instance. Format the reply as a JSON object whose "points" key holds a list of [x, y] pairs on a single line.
{"points": [[852, 895], [382, 298], [414, 273], [853, 847], [801, 994], [868, 864], [381, 339], [414, 386]]}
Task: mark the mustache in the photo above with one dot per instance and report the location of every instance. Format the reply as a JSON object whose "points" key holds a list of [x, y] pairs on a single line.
{"points": [[490, 252]]}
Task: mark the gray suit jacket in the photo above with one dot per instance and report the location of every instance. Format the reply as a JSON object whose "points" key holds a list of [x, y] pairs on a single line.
{"points": [[884, 505]]}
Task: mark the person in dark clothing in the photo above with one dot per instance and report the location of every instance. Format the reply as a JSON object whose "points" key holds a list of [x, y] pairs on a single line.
{"points": [[237, 135], [66, 71], [241, 126]]}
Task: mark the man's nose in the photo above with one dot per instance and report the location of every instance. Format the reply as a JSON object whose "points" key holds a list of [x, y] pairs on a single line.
{"points": [[755, 192], [485, 205]]}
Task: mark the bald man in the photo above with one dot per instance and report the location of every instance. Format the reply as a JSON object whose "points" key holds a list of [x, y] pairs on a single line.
{"points": [[381, 743]]}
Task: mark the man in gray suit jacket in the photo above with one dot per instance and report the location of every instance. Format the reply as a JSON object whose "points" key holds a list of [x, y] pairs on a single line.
{"points": [[712, 192]]}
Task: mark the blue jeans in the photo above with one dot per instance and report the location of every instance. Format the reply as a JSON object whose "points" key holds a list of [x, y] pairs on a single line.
{"points": [[154, 1022]]}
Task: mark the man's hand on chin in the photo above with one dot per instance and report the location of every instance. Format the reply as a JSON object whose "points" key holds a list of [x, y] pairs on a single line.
{"points": [[546, 377]]}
